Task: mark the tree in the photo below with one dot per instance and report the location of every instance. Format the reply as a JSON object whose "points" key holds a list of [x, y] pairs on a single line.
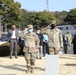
{"points": [[71, 16], [41, 19], [10, 11], [26, 17], [60, 16]]}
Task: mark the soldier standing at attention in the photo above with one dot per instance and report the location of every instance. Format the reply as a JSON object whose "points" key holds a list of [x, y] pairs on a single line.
{"points": [[55, 40], [68, 39], [31, 43]]}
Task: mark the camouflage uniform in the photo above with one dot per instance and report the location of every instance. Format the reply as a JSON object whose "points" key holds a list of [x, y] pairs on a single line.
{"points": [[68, 37], [55, 40], [31, 41]]}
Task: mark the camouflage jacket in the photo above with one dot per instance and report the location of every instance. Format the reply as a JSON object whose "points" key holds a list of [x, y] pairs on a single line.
{"points": [[54, 38], [31, 41], [69, 38]]}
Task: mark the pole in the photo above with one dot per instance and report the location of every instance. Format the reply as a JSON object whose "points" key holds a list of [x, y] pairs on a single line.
{"points": [[47, 5]]}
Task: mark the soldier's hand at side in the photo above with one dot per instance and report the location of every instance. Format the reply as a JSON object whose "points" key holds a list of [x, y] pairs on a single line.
{"points": [[37, 47], [60, 48], [36, 50]]}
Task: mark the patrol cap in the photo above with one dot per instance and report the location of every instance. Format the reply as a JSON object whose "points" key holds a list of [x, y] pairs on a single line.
{"points": [[30, 26], [53, 22], [68, 32]]}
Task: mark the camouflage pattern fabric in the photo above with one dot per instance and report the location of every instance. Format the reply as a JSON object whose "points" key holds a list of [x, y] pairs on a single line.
{"points": [[69, 39], [53, 51], [30, 59], [55, 39], [31, 43]]}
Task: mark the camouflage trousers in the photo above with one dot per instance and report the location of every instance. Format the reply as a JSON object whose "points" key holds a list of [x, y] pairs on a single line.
{"points": [[68, 48], [30, 59], [53, 51]]}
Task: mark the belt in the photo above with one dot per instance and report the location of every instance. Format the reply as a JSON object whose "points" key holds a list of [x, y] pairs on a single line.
{"points": [[13, 38]]}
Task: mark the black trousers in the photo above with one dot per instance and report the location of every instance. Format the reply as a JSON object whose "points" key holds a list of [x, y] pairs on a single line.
{"points": [[22, 44], [45, 48], [13, 47], [65, 49], [74, 48]]}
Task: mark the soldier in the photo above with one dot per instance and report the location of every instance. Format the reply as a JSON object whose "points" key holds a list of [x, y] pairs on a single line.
{"points": [[55, 41], [68, 40], [31, 43]]}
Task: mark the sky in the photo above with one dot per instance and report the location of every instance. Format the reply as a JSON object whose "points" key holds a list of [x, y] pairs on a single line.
{"points": [[54, 5]]}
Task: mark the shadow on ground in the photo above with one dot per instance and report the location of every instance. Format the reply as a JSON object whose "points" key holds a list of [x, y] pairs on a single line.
{"points": [[42, 69], [37, 68], [68, 58], [70, 65], [13, 67], [19, 67], [7, 74]]}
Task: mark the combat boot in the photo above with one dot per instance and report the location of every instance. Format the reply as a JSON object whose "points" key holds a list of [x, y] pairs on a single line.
{"points": [[28, 71], [32, 70]]}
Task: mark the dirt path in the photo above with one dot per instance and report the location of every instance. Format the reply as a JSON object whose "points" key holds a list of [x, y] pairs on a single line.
{"points": [[18, 66]]}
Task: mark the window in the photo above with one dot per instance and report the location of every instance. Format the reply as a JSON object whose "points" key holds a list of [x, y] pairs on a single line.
{"points": [[74, 27], [66, 28], [61, 28]]}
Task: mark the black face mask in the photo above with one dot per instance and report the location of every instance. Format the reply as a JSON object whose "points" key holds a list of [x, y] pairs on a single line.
{"points": [[13, 28], [53, 26]]}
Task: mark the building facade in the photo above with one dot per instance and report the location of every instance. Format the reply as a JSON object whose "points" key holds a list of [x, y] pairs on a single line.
{"points": [[71, 29], [65, 28]]}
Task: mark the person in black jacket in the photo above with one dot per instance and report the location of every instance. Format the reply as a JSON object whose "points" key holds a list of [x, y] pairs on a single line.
{"points": [[39, 51], [13, 37], [74, 44]]}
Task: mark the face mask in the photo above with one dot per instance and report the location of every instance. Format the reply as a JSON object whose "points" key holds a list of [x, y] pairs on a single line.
{"points": [[53, 26], [13, 28], [38, 32], [30, 30]]}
